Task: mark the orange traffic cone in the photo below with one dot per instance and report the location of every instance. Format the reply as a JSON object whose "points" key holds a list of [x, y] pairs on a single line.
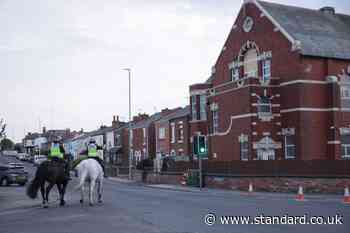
{"points": [[300, 195], [346, 195]]}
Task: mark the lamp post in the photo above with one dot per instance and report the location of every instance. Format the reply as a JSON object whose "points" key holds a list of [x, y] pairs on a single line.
{"points": [[130, 154]]}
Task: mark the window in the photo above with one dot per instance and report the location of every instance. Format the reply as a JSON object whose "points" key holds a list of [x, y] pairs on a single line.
{"points": [[131, 137], [181, 135], [345, 92], [234, 74], [243, 147], [203, 102], [161, 133], [172, 132], [345, 145], [215, 121], [251, 63], [289, 147], [193, 105], [144, 135], [266, 70], [264, 105]]}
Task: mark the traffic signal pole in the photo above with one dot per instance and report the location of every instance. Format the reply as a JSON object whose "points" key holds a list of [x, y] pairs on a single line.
{"points": [[200, 172]]}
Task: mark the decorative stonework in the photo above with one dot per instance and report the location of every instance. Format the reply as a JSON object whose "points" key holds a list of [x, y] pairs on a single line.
{"points": [[288, 131], [214, 107], [248, 24], [267, 143]]}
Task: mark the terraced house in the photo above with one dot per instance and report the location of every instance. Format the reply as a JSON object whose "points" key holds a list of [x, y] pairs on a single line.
{"points": [[280, 88]]}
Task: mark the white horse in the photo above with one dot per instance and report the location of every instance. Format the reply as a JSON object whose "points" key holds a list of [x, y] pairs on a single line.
{"points": [[89, 170]]}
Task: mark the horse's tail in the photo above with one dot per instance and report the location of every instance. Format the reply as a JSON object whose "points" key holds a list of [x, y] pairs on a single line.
{"points": [[33, 187], [82, 177]]}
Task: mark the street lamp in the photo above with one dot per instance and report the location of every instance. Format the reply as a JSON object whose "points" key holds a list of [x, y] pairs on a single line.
{"points": [[130, 154]]}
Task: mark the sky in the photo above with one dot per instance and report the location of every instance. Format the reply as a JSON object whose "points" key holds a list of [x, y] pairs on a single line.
{"points": [[61, 61]]}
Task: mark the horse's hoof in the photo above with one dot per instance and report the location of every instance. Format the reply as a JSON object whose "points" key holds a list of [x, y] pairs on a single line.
{"points": [[81, 201], [45, 206], [99, 201]]}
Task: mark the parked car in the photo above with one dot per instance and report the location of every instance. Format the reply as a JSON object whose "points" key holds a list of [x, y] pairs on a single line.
{"points": [[38, 159], [18, 165], [12, 175], [9, 153], [22, 156]]}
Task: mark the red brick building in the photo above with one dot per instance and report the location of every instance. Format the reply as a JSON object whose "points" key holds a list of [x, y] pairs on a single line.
{"points": [[172, 133], [180, 133], [280, 88], [143, 135]]}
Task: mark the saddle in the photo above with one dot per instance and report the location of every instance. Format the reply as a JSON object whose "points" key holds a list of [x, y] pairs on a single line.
{"points": [[77, 161]]}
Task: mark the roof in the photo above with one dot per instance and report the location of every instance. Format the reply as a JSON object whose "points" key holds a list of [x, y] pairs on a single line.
{"points": [[178, 113], [145, 123], [320, 34]]}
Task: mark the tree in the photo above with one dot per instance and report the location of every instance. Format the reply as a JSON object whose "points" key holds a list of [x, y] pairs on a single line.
{"points": [[2, 129], [6, 144]]}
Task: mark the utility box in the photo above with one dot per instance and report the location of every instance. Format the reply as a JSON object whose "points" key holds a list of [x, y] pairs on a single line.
{"points": [[193, 178]]}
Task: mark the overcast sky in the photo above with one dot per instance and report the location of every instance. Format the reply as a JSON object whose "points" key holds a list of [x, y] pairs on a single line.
{"points": [[61, 61]]}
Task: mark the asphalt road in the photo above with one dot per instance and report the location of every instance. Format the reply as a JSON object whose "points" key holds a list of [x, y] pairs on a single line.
{"points": [[135, 208]]}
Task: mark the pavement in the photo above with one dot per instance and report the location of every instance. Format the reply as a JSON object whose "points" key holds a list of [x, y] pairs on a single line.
{"points": [[130, 207]]}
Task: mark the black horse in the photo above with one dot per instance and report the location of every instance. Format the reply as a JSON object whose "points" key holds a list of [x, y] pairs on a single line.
{"points": [[53, 172]]}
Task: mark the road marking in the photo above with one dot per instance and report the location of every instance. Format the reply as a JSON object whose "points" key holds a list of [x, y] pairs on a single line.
{"points": [[16, 211]]}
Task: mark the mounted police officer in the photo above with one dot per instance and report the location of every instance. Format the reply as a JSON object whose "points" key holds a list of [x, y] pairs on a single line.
{"points": [[92, 148], [57, 154]]}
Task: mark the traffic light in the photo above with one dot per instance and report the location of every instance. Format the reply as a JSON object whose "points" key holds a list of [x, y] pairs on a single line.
{"points": [[199, 145], [195, 145], [202, 147]]}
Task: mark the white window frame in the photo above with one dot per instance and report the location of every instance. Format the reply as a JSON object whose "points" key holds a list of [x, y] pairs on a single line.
{"points": [[194, 107], [161, 133], [266, 70], [173, 140], [345, 92], [144, 135], [286, 146], [181, 134], [254, 72], [346, 147], [243, 147], [215, 113], [131, 136], [235, 74], [244, 151], [202, 107], [264, 104]]}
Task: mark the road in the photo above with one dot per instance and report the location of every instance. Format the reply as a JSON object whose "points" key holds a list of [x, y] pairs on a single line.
{"points": [[136, 208]]}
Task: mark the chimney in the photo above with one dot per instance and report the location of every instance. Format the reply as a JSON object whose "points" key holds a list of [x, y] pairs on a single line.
{"points": [[328, 10], [115, 122]]}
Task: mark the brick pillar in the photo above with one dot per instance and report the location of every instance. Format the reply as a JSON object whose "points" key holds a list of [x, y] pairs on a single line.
{"points": [[333, 145]]}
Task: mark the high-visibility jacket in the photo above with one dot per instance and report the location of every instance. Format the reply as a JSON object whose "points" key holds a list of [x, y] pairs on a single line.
{"points": [[92, 150], [55, 151]]}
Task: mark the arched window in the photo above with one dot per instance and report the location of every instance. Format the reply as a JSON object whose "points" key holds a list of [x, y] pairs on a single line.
{"points": [[251, 63]]}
